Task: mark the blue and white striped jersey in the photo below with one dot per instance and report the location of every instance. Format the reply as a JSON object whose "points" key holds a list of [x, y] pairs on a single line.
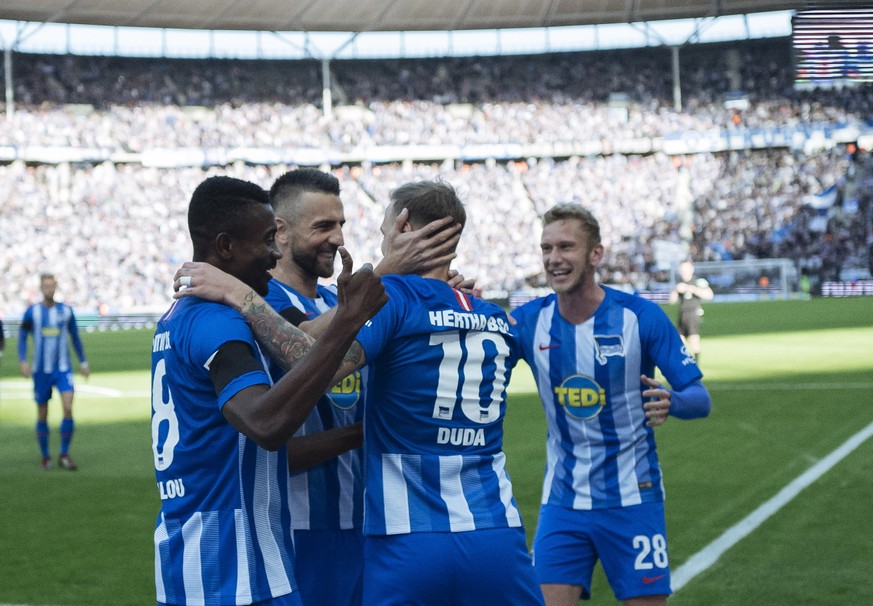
{"points": [[54, 329], [599, 452], [223, 535], [439, 362], [331, 495]]}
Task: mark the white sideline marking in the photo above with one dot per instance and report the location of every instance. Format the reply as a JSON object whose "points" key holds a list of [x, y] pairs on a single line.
{"points": [[102, 391], [707, 556], [23, 390]]}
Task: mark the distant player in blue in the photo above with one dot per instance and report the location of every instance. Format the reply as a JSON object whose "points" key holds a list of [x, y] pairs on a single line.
{"points": [[324, 457], [52, 325], [219, 424], [593, 351], [441, 524]]}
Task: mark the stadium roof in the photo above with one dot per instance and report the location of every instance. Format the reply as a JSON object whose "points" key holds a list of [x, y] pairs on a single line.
{"points": [[373, 15]]}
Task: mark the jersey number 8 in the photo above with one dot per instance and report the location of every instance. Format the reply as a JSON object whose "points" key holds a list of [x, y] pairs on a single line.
{"points": [[163, 412]]}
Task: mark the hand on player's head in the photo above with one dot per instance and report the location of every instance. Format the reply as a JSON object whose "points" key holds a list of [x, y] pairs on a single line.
{"points": [[198, 279], [420, 250]]}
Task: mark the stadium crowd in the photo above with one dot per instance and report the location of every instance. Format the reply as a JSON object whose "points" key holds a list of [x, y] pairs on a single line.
{"points": [[129, 219], [136, 104]]}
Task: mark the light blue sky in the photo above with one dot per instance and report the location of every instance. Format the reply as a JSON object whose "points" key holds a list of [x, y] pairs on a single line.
{"points": [[147, 42]]}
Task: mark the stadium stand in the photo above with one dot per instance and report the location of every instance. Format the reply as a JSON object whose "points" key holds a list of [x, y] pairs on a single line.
{"points": [[108, 149]]}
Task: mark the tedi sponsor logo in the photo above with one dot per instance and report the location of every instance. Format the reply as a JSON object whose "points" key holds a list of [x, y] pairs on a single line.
{"points": [[461, 436], [582, 397]]}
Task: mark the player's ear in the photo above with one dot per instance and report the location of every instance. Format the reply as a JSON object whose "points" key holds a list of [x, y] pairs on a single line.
{"points": [[596, 255], [282, 229], [224, 245]]}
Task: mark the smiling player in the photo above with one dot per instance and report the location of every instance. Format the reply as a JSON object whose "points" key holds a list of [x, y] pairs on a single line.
{"points": [[593, 351]]}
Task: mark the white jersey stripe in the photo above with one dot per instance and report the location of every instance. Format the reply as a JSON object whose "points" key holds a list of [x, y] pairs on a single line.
{"points": [[160, 537], [192, 575], [243, 582], [395, 495], [582, 433], [542, 368], [346, 474], [513, 516], [625, 402], [298, 497], [452, 492], [50, 351], [264, 499]]}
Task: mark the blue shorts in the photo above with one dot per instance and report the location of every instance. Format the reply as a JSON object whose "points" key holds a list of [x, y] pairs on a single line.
{"points": [[44, 381], [473, 568], [329, 566], [631, 543]]}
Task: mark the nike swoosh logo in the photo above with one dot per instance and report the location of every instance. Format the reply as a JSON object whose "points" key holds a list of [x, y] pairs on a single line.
{"points": [[545, 347], [650, 580]]}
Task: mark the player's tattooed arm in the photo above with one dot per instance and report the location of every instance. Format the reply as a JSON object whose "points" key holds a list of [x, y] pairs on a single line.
{"points": [[285, 343], [354, 359], [361, 295]]}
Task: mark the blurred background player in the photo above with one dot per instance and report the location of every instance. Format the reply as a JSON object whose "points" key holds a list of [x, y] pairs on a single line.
{"points": [[690, 292], [593, 351], [52, 325], [2, 340]]}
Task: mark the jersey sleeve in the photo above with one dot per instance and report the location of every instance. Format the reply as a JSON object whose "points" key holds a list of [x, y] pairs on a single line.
{"points": [[666, 347], [376, 333], [224, 325], [73, 328], [23, 332]]}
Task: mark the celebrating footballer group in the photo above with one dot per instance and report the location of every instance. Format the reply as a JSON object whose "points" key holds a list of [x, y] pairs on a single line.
{"points": [[338, 446]]}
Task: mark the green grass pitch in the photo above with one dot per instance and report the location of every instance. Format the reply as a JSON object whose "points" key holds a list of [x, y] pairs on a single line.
{"points": [[791, 381]]}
